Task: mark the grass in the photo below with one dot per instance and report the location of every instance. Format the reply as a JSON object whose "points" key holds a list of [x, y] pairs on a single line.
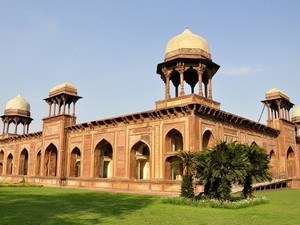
{"points": [[41, 205]]}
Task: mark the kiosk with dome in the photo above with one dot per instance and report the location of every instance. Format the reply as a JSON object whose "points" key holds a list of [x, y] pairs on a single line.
{"points": [[135, 152]]}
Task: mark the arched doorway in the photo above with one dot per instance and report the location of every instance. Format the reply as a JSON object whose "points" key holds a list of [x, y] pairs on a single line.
{"points": [[103, 160], [139, 161], [273, 164], [75, 163], [291, 164], [172, 172], [9, 165], [173, 141], [38, 163], [207, 139], [50, 160], [1, 161], [23, 162]]}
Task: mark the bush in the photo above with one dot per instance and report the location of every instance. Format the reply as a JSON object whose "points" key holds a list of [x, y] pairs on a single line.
{"points": [[214, 203]]}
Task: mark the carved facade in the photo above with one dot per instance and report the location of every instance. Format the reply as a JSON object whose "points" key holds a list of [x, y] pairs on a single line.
{"points": [[134, 152]]}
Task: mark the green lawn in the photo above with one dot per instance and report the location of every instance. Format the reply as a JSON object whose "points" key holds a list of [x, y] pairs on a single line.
{"points": [[41, 205]]}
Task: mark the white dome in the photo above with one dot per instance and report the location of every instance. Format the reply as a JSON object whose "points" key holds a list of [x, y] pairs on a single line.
{"points": [[18, 103], [296, 111], [275, 92], [187, 43], [66, 87]]}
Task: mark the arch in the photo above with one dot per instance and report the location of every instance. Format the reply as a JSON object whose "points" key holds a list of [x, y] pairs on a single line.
{"points": [[173, 141], [172, 172], [253, 143], [273, 163], [75, 163], [50, 160], [207, 139], [1, 161], [23, 162], [175, 78], [9, 164], [139, 161], [103, 158], [291, 162], [191, 78], [38, 163]]}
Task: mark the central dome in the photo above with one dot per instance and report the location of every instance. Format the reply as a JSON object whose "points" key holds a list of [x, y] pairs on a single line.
{"points": [[187, 45]]}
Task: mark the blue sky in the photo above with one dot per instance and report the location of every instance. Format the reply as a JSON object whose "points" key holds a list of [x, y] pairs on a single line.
{"points": [[110, 49]]}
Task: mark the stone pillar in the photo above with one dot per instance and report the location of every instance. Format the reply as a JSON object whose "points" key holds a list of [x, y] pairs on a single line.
{"points": [[180, 69], [50, 107], [16, 120], [27, 131], [54, 108], [4, 124], [200, 71], [268, 111], [167, 83], [24, 126], [64, 105], [59, 106], [279, 111], [7, 127], [73, 109], [210, 88]]}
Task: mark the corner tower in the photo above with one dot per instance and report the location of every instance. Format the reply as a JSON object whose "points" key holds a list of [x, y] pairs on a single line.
{"points": [[187, 63], [62, 100]]}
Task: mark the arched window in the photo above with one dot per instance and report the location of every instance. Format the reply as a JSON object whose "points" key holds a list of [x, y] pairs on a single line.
{"points": [[273, 163], [291, 164], [23, 162], [103, 160], [75, 163], [174, 141], [1, 161], [38, 163], [9, 165], [172, 172], [207, 139], [50, 160], [139, 161]]}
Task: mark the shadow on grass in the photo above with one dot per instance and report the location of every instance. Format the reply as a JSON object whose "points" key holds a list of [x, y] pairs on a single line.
{"points": [[36, 205]]}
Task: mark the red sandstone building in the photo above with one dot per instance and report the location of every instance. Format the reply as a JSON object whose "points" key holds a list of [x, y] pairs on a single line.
{"points": [[134, 152]]}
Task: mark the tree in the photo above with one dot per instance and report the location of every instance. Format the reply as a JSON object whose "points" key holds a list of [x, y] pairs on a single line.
{"points": [[187, 162], [258, 170], [220, 167]]}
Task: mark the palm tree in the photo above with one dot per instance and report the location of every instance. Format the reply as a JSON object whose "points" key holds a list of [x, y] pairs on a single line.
{"points": [[258, 170], [220, 167], [187, 162]]}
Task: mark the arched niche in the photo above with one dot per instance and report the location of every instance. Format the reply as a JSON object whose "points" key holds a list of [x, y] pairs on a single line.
{"points": [[38, 162], [1, 161], [50, 160], [23, 162], [207, 139], [172, 172], [173, 141], [9, 164], [273, 163], [75, 163], [139, 161], [103, 158], [291, 162]]}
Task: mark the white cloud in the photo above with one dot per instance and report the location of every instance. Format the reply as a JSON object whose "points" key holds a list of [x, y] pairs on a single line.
{"points": [[241, 70]]}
